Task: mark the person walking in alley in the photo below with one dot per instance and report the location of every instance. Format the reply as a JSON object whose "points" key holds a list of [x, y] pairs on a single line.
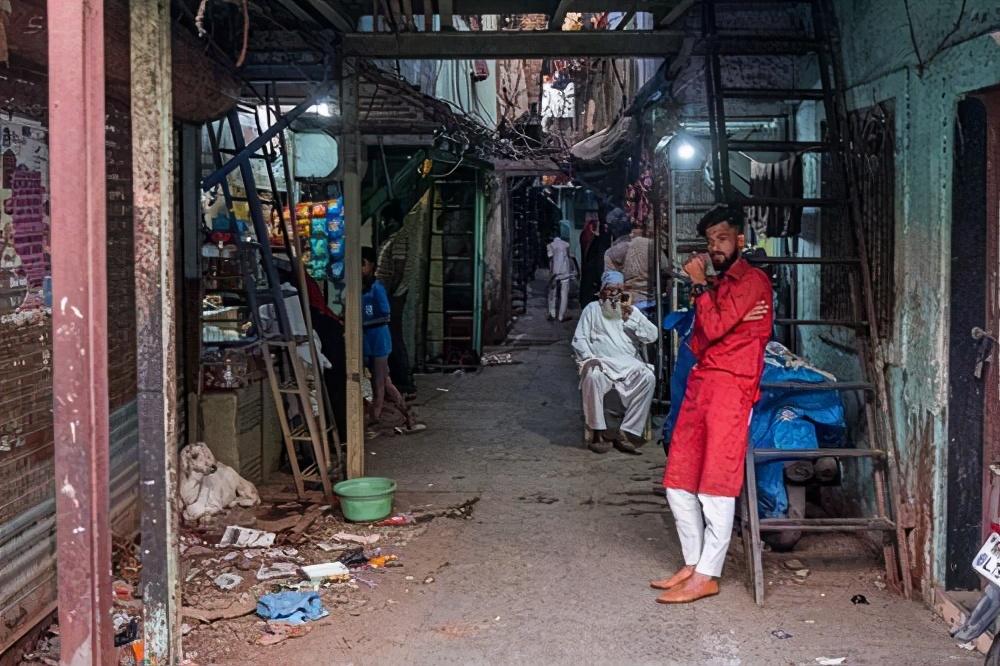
{"points": [[607, 343], [377, 341], [704, 471], [561, 274]]}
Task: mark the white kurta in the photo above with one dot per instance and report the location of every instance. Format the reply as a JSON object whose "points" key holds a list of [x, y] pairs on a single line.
{"points": [[608, 354]]}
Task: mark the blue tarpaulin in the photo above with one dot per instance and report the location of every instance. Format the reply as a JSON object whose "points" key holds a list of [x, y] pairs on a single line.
{"points": [[681, 321], [291, 607], [787, 419]]}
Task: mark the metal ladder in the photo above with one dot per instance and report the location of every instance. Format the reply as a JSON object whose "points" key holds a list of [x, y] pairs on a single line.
{"points": [[292, 384], [889, 517]]}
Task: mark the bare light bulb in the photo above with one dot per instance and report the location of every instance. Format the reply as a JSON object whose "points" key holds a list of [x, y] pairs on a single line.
{"points": [[685, 151]]}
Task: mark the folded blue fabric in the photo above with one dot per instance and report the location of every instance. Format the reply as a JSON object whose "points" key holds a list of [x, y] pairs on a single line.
{"points": [[291, 607]]}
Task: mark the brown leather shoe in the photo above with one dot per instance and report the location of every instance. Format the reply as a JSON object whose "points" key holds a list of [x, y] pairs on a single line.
{"points": [[686, 593], [673, 581]]}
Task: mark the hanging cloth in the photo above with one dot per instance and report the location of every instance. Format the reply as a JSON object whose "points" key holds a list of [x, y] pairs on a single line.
{"points": [[776, 179]]}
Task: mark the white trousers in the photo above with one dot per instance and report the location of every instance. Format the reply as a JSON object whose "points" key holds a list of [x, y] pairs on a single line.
{"points": [[705, 526], [559, 293], [636, 395]]}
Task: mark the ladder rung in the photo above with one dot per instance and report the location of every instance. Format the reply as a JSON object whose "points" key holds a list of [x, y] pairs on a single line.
{"points": [[817, 386], [278, 342], [826, 524], [301, 434], [813, 454], [739, 45], [803, 260], [849, 323], [791, 201], [751, 146], [773, 93]]}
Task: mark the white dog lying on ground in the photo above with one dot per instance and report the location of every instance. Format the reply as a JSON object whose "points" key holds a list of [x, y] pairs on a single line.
{"points": [[208, 487]]}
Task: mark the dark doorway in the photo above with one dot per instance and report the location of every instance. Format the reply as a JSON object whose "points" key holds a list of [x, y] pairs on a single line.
{"points": [[966, 390]]}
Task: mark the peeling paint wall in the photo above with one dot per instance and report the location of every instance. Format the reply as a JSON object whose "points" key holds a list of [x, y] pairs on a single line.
{"points": [[882, 64]]}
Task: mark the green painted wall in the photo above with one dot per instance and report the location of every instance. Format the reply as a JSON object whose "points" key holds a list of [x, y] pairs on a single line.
{"points": [[882, 64]]}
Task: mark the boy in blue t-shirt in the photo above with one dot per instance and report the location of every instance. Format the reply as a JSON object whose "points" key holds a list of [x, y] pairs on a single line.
{"points": [[375, 318]]}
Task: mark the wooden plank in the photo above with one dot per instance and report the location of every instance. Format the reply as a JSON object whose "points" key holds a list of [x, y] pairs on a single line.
{"points": [[350, 159], [152, 183]]}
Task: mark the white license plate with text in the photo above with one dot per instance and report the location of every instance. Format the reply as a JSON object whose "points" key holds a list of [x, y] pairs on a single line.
{"points": [[987, 561]]}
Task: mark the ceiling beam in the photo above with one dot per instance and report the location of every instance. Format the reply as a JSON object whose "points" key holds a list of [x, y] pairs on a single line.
{"points": [[559, 15], [332, 14], [497, 45]]}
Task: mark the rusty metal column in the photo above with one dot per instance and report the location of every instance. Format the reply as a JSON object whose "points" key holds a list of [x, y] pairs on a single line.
{"points": [[153, 202], [350, 147], [80, 329]]}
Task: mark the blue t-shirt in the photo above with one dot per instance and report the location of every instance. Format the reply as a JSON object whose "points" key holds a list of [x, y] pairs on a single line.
{"points": [[375, 311]]}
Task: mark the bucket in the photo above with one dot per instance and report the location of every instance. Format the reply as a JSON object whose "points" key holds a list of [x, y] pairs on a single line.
{"points": [[366, 499]]}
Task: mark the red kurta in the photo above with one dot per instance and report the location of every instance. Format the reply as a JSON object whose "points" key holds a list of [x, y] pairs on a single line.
{"points": [[709, 442]]}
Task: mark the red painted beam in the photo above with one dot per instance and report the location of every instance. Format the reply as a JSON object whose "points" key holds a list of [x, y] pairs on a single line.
{"points": [[79, 325]]}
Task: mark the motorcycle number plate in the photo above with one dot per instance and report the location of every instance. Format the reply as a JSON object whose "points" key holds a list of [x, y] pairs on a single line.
{"points": [[987, 561]]}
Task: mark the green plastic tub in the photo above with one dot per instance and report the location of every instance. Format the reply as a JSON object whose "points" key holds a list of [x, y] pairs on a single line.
{"points": [[366, 499]]}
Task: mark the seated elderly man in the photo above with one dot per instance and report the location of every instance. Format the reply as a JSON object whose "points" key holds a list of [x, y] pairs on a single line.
{"points": [[607, 342]]}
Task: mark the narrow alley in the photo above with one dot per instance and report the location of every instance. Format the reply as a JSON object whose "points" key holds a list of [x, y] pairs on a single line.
{"points": [[553, 566]]}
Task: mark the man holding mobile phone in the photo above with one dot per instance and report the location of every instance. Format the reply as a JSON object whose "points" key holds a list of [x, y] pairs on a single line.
{"points": [[608, 342], [704, 473]]}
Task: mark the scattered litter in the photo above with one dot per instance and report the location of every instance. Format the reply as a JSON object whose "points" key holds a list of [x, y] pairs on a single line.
{"points": [[880, 584], [122, 590], [228, 557], [860, 600], [428, 580], [329, 547], [277, 570], [496, 619], [126, 629], [410, 578], [364, 540], [243, 606], [370, 583], [276, 632], [810, 621], [398, 520], [244, 537], [328, 570], [227, 581], [497, 359], [291, 607], [970, 646], [802, 573], [380, 561], [458, 373], [353, 558], [831, 661], [794, 565], [781, 634], [444, 390]]}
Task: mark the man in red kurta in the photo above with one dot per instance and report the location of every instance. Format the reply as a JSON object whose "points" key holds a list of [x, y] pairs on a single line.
{"points": [[704, 471]]}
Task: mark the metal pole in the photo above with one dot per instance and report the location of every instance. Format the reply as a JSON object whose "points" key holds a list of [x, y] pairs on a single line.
{"points": [[153, 212], [79, 329], [350, 146]]}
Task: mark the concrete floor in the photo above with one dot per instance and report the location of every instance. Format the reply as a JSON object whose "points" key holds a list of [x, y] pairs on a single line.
{"points": [[553, 566]]}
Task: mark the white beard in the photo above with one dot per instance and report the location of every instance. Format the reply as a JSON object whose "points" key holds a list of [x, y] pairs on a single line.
{"points": [[611, 309]]}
